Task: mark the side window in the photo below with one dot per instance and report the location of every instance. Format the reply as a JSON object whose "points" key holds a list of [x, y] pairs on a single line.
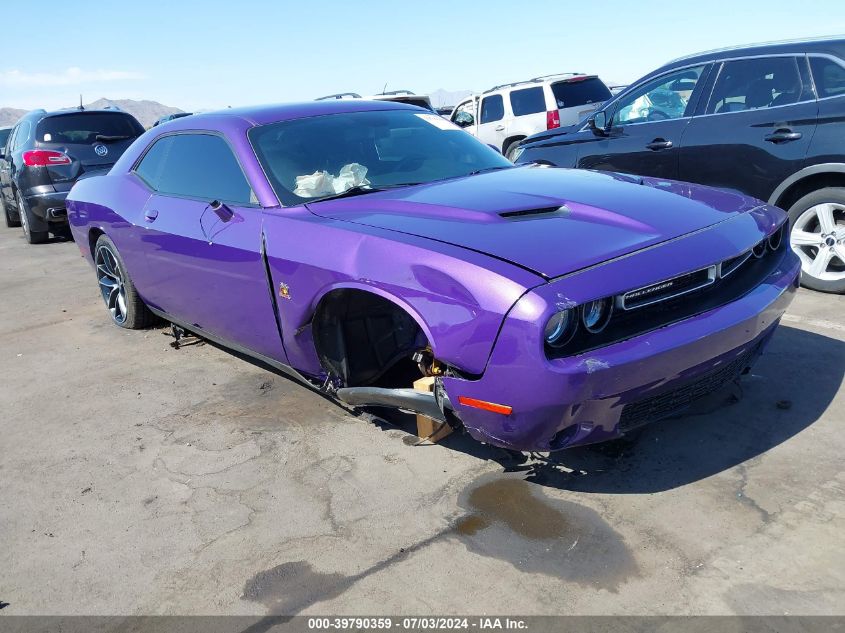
{"points": [[666, 97], [828, 76], [492, 109], [528, 101], [751, 84], [22, 134], [196, 166], [152, 164]]}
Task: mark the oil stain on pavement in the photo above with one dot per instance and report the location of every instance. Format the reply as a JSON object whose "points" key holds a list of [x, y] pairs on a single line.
{"points": [[505, 518]]}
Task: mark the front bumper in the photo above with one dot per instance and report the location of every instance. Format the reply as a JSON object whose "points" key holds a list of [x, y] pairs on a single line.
{"points": [[559, 403]]}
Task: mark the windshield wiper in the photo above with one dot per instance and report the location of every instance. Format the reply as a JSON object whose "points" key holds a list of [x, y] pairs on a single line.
{"points": [[357, 190], [486, 169], [104, 138]]}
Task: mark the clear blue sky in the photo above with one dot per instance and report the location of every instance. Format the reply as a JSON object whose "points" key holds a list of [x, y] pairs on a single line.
{"points": [[198, 54]]}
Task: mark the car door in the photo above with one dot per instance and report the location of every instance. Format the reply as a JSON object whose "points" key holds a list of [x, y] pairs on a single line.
{"points": [[755, 128], [646, 126], [492, 127], [202, 241], [465, 116]]}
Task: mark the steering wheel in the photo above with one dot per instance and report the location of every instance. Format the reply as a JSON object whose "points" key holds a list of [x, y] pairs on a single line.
{"points": [[657, 115]]}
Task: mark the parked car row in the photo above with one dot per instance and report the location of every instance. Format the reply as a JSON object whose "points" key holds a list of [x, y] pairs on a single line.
{"points": [[359, 246], [505, 115], [766, 121]]}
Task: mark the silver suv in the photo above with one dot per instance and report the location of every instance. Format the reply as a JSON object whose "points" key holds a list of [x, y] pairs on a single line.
{"points": [[504, 115]]}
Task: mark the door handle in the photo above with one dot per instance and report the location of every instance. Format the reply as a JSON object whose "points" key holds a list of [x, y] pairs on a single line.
{"points": [[658, 144], [150, 215], [499, 128], [784, 135]]}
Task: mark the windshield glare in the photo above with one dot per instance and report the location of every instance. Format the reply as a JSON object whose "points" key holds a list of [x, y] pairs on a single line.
{"points": [[318, 157]]}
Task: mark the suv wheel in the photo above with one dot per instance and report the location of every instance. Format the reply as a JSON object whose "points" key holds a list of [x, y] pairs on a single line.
{"points": [[10, 223], [126, 307], [509, 150], [818, 238], [33, 237]]}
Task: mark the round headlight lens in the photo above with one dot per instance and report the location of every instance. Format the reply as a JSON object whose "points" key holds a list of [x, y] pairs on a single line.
{"points": [[560, 328], [596, 314]]}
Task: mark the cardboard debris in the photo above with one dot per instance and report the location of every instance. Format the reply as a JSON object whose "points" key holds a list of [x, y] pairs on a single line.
{"points": [[428, 429]]}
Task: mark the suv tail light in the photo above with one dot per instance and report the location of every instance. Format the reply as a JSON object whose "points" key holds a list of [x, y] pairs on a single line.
{"points": [[552, 119], [44, 157]]}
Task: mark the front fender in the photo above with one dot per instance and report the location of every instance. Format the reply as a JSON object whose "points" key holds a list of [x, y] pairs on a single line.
{"points": [[457, 297]]}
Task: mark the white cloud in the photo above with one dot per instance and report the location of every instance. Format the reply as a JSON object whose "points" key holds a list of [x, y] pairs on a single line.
{"points": [[70, 77]]}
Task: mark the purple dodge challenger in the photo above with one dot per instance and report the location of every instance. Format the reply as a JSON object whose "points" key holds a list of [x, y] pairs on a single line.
{"points": [[358, 246]]}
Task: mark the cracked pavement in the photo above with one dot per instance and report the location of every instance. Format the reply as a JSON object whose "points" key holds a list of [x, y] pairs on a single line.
{"points": [[139, 479]]}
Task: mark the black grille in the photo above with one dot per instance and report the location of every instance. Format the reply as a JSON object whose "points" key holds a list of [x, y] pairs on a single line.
{"points": [[665, 404]]}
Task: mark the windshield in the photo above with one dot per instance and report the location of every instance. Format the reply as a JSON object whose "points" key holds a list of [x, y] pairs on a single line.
{"points": [[323, 156], [85, 127]]}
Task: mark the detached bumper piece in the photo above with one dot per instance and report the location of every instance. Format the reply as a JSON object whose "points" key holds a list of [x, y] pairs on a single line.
{"points": [[432, 405]]}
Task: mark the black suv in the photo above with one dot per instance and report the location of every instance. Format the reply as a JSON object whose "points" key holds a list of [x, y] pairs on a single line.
{"points": [[765, 120], [45, 155]]}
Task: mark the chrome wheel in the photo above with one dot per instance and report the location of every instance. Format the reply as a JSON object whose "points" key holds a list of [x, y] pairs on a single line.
{"points": [[112, 283], [818, 238]]}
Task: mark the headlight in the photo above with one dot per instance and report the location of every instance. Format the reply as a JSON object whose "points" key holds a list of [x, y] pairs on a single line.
{"points": [[596, 314], [759, 249], [560, 328]]}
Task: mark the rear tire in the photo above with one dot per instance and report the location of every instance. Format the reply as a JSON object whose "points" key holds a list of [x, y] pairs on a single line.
{"points": [[126, 307], [511, 147], [33, 237], [10, 223], [817, 236]]}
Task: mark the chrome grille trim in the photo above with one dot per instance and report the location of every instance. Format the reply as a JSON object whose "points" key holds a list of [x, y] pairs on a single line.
{"points": [[623, 299]]}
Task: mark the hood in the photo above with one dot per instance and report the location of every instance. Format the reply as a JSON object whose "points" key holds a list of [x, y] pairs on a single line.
{"points": [[547, 220]]}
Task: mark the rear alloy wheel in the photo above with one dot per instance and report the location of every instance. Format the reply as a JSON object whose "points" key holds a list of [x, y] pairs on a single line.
{"points": [[818, 238], [511, 148], [33, 237], [10, 223], [127, 309]]}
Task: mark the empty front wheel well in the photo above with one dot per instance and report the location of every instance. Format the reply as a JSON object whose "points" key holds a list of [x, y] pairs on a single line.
{"points": [[93, 235], [366, 340], [808, 185]]}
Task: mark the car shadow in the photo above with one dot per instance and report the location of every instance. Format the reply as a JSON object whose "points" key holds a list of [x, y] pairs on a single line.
{"points": [[783, 395]]}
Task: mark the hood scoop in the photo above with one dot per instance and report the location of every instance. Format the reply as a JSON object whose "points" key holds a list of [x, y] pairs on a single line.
{"points": [[530, 214]]}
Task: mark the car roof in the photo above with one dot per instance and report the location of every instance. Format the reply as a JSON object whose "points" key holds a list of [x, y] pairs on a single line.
{"points": [[265, 114], [542, 80], [831, 45]]}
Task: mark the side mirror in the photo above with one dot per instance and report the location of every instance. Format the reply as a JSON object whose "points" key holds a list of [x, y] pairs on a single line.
{"points": [[598, 122], [464, 119]]}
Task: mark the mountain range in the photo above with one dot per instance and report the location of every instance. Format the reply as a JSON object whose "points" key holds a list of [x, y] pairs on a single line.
{"points": [[145, 111]]}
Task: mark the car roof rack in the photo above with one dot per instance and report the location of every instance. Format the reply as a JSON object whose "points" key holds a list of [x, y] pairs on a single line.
{"points": [[535, 80], [340, 95]]}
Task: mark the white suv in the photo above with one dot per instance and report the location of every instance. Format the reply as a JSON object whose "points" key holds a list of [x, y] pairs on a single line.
{"points": [[504, 115]]}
